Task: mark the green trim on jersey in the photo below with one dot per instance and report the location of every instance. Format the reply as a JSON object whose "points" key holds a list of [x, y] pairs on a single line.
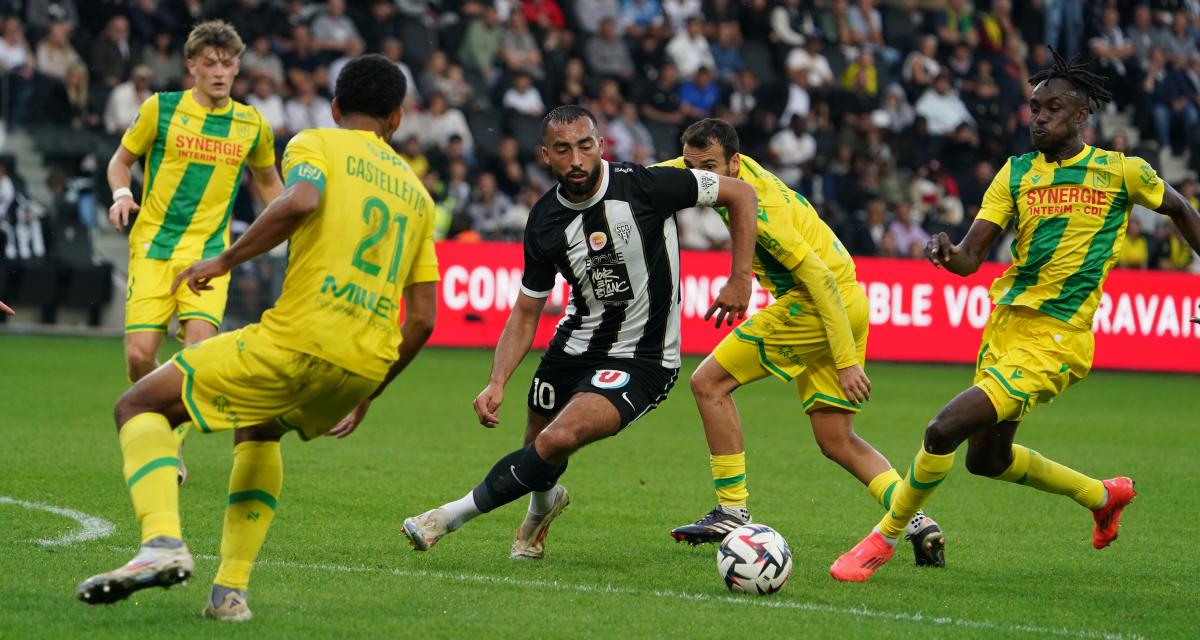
{"points": [[773, 270], [1020, 395], [1073, 174], [1041, 249], [721, 483], [188, 374], [1018, 167], [747, 168], [216, 242], [253, 494], [145, 327], [180, 210], [1080, 285], [157, 463], [202, 316], [762, 353], [218, 124], [167, 104], [287, 425], [831, 400]]}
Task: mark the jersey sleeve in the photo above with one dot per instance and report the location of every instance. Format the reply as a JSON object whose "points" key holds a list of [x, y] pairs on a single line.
{"points": [[669, 189], [425, 264], [304, 160], [537, 281], [998, 205], [140, 134], [779, 237], [674, 162], [1143, 184], [263, 153]]}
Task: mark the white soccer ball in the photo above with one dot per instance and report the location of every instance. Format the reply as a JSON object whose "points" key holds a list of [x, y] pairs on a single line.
{"points": [[754, 558]]}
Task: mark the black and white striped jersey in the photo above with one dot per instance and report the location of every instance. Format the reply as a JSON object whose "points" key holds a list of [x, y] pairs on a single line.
{"points": [[619, 251]]}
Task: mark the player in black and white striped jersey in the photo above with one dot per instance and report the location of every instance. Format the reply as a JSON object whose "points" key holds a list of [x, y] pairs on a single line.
{"points": [[609, 230]]}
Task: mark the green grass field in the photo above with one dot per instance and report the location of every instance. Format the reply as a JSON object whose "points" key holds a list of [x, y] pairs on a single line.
{"points": [[1020, 563]]}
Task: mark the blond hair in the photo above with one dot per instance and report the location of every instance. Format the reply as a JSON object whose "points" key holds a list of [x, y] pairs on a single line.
{"points": [[218, 34]]}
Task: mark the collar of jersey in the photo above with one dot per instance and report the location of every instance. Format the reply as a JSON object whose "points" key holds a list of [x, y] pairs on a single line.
{"points": [[1041, 157], [590, 202], [218, 111]]}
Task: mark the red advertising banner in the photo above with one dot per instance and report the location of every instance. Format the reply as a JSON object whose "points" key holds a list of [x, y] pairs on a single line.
{"points": [[918, 313]]}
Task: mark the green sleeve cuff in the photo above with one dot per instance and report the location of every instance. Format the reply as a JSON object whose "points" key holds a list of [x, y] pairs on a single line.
{"points": [[307, 173]]}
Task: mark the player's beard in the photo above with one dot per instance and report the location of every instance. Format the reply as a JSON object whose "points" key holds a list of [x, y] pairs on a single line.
{"points": [[579, 189]]}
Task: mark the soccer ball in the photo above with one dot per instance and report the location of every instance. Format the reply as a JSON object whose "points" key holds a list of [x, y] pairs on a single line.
{"points": [[754, 558]]}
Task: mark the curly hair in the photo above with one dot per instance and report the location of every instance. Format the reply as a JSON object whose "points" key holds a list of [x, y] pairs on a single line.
{"points": [[370, 85]]}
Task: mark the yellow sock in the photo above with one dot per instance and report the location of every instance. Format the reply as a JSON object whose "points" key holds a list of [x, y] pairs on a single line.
{"points": [[181, 432], [883, 486], [148, 448], [1031, 468], [254, 486], [924, 475], [729, 479]]}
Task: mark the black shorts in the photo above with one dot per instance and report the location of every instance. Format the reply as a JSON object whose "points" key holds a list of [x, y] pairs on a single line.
{"points": [[634, 387]]}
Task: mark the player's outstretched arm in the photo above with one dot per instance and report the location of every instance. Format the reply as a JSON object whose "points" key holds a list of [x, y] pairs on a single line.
{"points": [[822, 285], [514, 343], [739, 198], [1181, 212], [267, 182], [964, 258], [5, 309], [277, 223], [420, 311], [118, 182]]}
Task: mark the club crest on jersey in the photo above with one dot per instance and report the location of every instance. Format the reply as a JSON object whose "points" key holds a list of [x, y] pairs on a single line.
{"points": [[624, 230], [610, 379], [597, 240]]}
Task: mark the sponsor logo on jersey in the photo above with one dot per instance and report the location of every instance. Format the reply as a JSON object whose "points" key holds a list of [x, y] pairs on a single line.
{"points": [[622, 170], [597, 240], [624, 230], [610, 379]]}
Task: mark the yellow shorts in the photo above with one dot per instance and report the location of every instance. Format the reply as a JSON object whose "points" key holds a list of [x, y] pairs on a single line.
{"points": [[149, 303], [242, 379], [1028, 357], [787, 339]]}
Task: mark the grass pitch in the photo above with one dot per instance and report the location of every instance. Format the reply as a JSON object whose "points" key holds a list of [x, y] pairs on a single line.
{"points": [[1020, 563]]}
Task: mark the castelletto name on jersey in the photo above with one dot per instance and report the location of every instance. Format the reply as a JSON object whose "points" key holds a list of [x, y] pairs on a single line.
{"points": [[1053, 201], [385, 180], [210, 149], [352, 300]]}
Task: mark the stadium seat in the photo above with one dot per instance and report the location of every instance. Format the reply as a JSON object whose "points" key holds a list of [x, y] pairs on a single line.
{"points": [[757, 58], [487, 129], [419, 43], [666, 138], [526, 129], [33, 282]]}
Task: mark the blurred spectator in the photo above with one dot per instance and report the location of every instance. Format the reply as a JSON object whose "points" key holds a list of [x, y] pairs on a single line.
{"points": [[689, 49], [810, 59], [956, 23], [518, 213], [545, 14], [941, 107], [354, 48], [519, 50], [701, 229], [1175, 106], [639, 17], [265, 97], [1179, 41], [861, 78], [1172, 252], [458, 186], [787, 23], [303, 57], [743, 98], [382, 24], [333, 30], [306, 109], [16, 68], [995, 28], [125, 100], [70, 101], [442, 121], [415, 157], [488, 208], [699, 95], [591, 13], [906, 231], [921, 68], [482, 42], [899, 113], [54, 53], [571, 88], [393, 50], [41, 15], [663, 104], [791, 149], [607, 54], [112, 55], [798, 102], [627, 133], [726, 51], [866, 30], [1142, 35], [678, 12], [1113, 53], [866, 239], [523, 97], [165, 62], [149, 18], [261, 60], [1135, 252]]}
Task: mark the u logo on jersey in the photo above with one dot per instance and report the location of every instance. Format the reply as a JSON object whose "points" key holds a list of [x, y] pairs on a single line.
{"points": [[610, 379], [597, 240]]}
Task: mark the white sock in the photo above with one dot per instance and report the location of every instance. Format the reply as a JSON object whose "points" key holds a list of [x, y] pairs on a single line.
{"points": [[738, 512], [1104, 501], [461, 511], [890, 541], [541, 501]]}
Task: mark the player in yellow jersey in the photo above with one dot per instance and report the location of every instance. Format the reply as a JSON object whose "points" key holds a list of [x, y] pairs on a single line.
{"points": [[1070, 203], [814, 334], [195, 144], [360, 226]]}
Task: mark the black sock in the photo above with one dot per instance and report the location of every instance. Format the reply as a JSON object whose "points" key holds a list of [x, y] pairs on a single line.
{"points": [[515, 475]]}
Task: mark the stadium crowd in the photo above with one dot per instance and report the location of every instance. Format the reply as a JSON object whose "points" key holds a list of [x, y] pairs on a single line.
{"points": [[891, 116]]}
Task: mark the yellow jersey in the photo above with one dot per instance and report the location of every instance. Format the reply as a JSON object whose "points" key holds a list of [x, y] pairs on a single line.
{"points": [[194, 159], [789, 229], [1070, 222], [350, 260]]}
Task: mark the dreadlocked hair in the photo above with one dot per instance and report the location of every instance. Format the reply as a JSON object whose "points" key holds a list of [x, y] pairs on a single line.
{"points": [[1095, 93]]}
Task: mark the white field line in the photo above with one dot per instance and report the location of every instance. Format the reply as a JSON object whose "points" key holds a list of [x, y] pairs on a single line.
{"points": [[745, 601], [93, 528]]}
